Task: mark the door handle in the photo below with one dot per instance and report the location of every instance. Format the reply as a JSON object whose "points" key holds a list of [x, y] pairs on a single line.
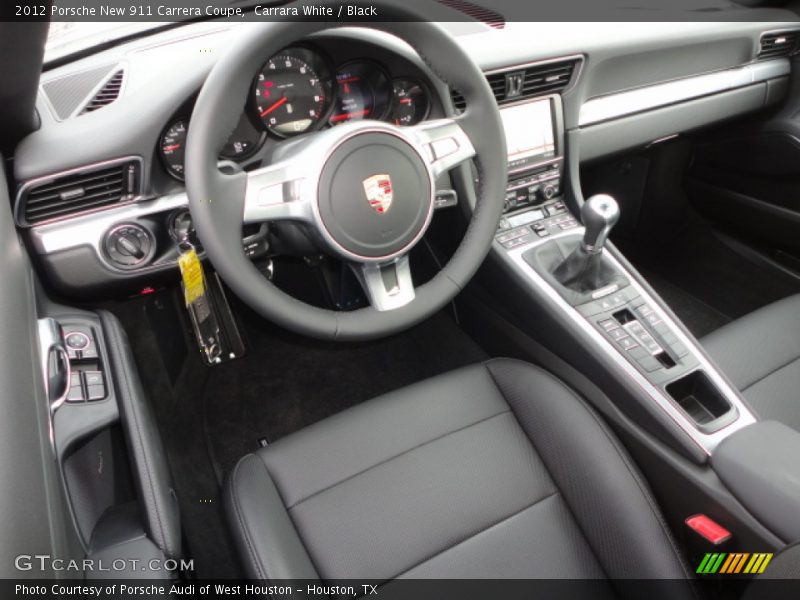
{"points": [[54, 363]]}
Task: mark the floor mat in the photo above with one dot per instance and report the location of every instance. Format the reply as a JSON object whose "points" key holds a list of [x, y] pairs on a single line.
{"points": [[210, 417], [286, 382], [700, 318], [706, 282]]}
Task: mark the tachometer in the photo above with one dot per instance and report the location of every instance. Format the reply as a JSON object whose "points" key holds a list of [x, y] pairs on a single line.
{"points": [[410, 103], [292, 93]]}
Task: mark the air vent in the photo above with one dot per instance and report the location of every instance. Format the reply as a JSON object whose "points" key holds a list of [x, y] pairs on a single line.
{"points": [[536, 80], [107, 94], [79, 191], [775, 44], [479, 13]]}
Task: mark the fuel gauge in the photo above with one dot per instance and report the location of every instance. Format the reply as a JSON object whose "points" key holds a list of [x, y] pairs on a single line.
{"points": [[410, 102]]}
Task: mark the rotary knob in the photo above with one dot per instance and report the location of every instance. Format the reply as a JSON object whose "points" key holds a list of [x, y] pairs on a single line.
{"points": [[129, 246]]}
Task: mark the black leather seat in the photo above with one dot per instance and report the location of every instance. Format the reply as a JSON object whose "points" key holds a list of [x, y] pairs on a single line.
{"points": [[760, 353], [497, 470]]}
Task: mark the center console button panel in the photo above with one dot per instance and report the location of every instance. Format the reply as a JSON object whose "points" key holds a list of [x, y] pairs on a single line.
{"points": [[528, 225]]}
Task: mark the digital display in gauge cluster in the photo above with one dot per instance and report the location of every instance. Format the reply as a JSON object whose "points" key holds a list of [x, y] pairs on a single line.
{"points": [[363, 92]]}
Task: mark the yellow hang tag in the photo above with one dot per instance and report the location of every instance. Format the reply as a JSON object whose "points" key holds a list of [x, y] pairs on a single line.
{"points": [[192, 274]]}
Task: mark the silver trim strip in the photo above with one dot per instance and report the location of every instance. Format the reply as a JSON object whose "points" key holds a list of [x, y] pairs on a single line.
{"points": [[90, 230], [50, 338], [614, 106], [707, 442]]}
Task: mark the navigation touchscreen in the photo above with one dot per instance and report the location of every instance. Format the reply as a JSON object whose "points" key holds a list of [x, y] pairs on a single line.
{"points": [[529, 132]]}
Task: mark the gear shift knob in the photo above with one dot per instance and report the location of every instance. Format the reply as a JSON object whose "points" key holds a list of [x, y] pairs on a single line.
{"points": [[599, 214]]}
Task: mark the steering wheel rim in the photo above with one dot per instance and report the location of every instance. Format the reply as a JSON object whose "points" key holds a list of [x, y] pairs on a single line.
{"points": [[220, 203]]}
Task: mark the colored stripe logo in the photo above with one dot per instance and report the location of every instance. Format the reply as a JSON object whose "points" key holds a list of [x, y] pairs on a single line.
{"points": [[734, 563]]}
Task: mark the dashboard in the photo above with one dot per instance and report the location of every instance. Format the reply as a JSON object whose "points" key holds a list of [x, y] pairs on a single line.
{"points": [[628, 85], [301, 90]]}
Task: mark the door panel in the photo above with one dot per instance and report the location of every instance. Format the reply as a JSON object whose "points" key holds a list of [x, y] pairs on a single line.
{"points": [[33, 515]]}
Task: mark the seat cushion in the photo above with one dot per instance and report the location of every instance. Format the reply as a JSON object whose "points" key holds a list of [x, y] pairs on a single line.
{"points": [[496, 470], [760, 353]]}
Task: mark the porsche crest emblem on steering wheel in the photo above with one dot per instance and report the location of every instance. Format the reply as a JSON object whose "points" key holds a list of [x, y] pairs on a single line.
{"points": [[378, 189]]}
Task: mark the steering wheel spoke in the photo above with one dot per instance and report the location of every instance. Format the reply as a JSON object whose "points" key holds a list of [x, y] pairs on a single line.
{"points": [[388, 285], [445, 143], [279, 192]]}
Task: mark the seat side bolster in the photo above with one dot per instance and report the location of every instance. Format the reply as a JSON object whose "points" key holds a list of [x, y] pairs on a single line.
{"points": [[594, 475], [263, 531], [756, 345]]}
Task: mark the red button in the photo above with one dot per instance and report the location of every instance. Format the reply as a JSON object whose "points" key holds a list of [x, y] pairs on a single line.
{"points": [[710, 530]]}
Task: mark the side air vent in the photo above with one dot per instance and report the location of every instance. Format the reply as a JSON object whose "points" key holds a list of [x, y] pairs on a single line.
{"points": [[107, 94], [518, 84], [480, 13], [79, 191], [776, 44]]}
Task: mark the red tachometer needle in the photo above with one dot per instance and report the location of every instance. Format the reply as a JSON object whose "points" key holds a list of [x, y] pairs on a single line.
{"points": [[171, 148], [274, 106]]}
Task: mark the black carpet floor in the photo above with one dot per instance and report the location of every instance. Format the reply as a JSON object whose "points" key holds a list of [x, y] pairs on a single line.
{"points": [[212, 416], [286, 382], [705, 282]]}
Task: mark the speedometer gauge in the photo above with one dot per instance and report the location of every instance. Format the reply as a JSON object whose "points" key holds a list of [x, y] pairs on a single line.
{"points": [[292, 93]]}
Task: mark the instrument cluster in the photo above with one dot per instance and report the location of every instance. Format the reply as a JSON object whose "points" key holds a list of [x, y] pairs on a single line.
{"points": [[300, 90]]}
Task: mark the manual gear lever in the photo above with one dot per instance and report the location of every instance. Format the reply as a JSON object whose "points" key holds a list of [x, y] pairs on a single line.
{"points": [[599, 214], [583, 270]]}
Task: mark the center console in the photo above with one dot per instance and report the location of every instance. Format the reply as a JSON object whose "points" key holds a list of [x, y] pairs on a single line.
{"points": [[563, 260]]}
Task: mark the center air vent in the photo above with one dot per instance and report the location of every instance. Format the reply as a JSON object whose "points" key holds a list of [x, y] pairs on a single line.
{"points": [[776, 44], [518, 84], [79, 191]]}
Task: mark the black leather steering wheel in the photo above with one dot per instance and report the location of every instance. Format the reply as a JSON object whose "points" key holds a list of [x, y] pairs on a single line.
{"points": [[339, 181]]}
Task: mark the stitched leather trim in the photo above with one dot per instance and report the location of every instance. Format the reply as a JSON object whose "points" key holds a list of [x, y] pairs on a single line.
{"points": [[395, 456], [620, 452], [476, 534]]}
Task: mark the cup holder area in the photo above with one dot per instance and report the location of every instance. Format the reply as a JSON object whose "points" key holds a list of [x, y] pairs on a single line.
{"points": [[702, 401]]}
